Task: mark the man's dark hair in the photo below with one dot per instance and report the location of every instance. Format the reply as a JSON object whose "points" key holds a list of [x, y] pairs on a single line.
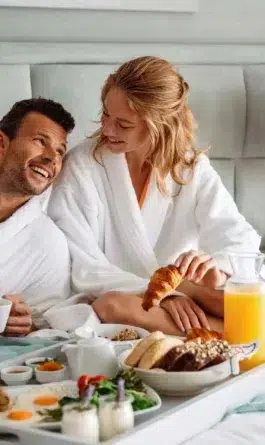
{"points": [[11, 122]]}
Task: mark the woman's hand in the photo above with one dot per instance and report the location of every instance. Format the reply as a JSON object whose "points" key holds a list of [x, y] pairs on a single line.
{"points": [[200, 268], [185, 313]]}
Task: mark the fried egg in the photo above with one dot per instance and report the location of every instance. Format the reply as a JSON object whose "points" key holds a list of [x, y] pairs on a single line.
{"points": [[21, 415], [46, 400], [26, 406]]}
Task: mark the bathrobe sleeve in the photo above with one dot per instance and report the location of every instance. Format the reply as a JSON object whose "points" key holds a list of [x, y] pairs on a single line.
{"points": [[92, 273], [221, 226], [50, 281]]}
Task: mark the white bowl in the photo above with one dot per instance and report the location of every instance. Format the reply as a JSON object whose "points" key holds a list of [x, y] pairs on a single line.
{"points": [[109, 330], [184, 383], [50, 376], [10, 377], [33, 362]]}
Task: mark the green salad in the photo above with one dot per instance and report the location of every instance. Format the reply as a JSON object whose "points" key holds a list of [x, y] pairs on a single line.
{"points": [[134, 388]]}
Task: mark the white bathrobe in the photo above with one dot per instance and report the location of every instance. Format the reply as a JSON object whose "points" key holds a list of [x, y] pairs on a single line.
{"points": [[34, 258], [115, 245]]}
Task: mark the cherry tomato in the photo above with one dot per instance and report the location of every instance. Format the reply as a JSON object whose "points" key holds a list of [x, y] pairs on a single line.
{"points": [[83, 382], [97, 379]]}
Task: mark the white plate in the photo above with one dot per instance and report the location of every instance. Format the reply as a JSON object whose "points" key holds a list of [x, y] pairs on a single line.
{"points": [[62, 389], [190, 383], [181, 383]]}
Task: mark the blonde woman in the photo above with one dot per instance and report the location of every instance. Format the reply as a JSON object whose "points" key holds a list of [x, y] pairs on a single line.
{"points": [[138, 195]]}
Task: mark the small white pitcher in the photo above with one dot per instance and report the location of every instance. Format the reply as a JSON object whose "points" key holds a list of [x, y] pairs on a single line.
{"points": [[92, 356]]}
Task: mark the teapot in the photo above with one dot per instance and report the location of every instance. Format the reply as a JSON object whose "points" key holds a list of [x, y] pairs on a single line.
{"points": [[91, 356]]}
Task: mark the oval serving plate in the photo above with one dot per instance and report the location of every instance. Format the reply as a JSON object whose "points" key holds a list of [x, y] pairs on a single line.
{"points": [[180, 383], [189, 383], [61, 389]]}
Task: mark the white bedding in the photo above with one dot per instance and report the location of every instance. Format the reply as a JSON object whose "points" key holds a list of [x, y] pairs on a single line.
{"points": [[237, 429]]}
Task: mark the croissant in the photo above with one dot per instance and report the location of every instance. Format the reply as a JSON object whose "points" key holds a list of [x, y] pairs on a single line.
{"points": [[163, 281], [203, 334]]}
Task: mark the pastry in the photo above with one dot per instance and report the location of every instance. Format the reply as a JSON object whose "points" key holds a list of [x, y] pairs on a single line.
{"points": [[203, 334], [141, 347], [163, 281], [5, 401], [152, 357]]}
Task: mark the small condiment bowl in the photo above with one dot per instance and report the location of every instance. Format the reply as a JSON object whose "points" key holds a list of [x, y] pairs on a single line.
{"points": [[33, 362], [16, 375], [50, 376]]}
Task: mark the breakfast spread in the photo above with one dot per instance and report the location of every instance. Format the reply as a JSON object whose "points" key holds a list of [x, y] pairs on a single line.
{"points": [[126, 334], [163, 281], [201, 349]]}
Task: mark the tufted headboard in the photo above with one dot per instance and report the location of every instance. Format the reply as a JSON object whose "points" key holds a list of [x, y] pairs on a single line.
{"points": [[228, 103]]}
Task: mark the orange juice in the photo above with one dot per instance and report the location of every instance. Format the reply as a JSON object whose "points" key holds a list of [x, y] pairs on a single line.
{"points": [[244, 319]]}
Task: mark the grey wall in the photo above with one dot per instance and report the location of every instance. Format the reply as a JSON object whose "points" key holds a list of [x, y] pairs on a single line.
{"points": [[222, 21], [222, 31]]}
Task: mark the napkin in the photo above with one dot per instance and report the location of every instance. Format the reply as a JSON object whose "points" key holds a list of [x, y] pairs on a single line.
{"points": [[242, 425], [257, 404]]}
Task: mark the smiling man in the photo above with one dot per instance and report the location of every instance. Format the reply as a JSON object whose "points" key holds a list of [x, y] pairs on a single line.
{"points": [[34, 256]]}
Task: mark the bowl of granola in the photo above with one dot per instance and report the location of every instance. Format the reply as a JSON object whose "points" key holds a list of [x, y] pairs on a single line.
{"points": [[122, 336]]}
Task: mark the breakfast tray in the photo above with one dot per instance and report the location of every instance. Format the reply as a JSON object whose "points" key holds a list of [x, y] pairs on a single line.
{"points": [[178, 420], [51, 351]]}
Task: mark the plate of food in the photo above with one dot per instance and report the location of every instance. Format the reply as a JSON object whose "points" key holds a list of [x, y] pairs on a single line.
{"points": [[175, 367], [41, 406]]}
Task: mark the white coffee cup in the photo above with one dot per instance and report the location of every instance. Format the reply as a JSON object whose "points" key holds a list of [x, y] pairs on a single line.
{"points": [[5, 308]]}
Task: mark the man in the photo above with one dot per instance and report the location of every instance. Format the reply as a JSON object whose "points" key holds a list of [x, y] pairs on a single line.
{"points": [[34, 257]]}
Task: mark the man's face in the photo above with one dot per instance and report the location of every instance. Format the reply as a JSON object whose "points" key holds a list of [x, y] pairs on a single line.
{"points": [[31, 161]]}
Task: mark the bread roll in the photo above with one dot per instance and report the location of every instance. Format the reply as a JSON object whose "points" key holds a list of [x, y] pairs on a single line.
{"points": [[141, 347], [157, 351]]}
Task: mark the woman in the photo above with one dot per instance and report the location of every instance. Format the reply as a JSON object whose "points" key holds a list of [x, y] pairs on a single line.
{"points": [[138, 195]]}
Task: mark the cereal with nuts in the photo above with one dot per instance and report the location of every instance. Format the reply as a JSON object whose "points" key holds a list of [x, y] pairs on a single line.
{"points": [[126, 334]]}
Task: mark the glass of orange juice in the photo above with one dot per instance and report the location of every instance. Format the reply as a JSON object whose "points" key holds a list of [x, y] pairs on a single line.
{"points": [[244, 305]]}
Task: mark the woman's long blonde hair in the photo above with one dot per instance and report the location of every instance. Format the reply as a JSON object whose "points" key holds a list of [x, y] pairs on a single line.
{"points": [[159, 95]]}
